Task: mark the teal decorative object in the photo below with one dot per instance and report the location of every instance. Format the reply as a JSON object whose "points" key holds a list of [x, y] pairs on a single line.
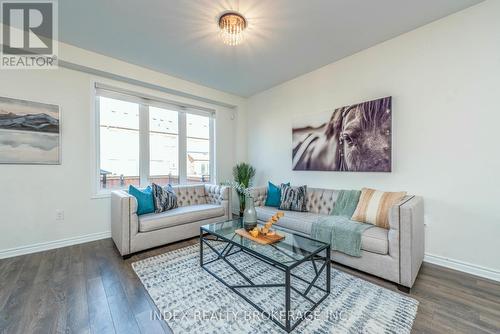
{"points": [[346, 203], [144, 197], [273, 195], [343, 234]]}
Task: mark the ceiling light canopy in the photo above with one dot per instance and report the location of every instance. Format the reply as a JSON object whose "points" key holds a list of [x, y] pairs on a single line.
{"points": [[232, 26]]}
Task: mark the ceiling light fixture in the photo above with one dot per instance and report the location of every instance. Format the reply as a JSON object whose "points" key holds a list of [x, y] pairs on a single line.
{"points": [[232, 25]]}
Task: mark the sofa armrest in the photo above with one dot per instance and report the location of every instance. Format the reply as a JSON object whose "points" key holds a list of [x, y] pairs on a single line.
{"points": [[259, 195], [407, 219], [124, 220], [220, 195]]}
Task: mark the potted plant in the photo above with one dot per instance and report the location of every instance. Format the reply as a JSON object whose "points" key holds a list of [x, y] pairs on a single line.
{"points": [[243, 174]]}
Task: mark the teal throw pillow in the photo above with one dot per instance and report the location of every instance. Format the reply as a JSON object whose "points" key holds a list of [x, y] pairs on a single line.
{"points": [[144, 197], [273, 195]]}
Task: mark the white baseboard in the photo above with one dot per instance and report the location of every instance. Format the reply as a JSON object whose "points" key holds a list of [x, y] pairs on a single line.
{"points": [[43, 246], [463, 266]]}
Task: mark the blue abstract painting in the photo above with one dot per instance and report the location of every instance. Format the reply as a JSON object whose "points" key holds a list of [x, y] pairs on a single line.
{"points": [[29, 132]]}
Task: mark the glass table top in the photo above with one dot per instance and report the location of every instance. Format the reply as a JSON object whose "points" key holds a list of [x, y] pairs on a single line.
{"points": [[290, 251]]}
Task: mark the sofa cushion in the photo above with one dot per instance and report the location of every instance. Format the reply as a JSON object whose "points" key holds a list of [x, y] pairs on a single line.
{"points": [[190, 194], [292, 220], [179, 216], [293, 198], [273, 194], [374, 205], [164, 198], [321, 201], [144, 197], [375, 240]]}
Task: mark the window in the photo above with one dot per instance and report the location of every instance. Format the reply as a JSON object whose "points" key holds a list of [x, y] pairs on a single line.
{"points": [[163, 146], [119, 135], [142, 140], [197, 148]]}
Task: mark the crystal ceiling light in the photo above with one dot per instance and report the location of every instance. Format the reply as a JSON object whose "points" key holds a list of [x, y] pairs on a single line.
{"points": [[232, 26]]}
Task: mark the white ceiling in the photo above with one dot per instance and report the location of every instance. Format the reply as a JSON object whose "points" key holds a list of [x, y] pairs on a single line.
{"points": [[285, 38]]}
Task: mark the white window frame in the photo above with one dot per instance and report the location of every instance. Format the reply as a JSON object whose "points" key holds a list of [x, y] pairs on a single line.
{"points": [[144, 102]]}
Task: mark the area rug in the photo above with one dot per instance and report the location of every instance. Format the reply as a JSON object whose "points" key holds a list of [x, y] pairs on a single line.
{"points": [[193, 301]]}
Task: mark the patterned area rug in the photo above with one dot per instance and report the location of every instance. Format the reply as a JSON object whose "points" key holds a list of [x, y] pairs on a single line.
{"points": [[193, 301]]}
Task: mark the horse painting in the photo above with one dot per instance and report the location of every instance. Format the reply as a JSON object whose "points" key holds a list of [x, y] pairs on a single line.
{"points": [[354, 138]]}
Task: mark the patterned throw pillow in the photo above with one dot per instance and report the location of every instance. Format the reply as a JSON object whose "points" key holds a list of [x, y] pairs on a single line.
{"points": [[374, 205], [293, 198], [164, 198]]}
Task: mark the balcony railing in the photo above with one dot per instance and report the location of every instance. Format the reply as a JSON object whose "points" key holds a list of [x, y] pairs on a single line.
{"points": [[121, 181]]}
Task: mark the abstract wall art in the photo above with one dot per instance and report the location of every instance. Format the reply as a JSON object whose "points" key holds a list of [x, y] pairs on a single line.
{"points": [[29, 132], [355, 138]]}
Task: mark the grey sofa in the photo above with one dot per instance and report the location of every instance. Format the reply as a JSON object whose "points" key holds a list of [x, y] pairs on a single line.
{"points": [[394, 254], [198, 205]]}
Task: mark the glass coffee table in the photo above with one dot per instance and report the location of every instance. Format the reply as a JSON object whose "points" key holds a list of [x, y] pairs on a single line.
{"points": [[286, 255]]}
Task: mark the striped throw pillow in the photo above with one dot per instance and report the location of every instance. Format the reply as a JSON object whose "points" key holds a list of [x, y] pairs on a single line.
{"points": [[164, 198], [293, 198], [374, 205]]}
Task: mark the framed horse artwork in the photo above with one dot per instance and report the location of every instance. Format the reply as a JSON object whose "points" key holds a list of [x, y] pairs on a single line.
{"points": [[355, 138]]}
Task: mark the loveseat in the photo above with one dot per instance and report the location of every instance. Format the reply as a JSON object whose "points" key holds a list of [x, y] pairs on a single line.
{"points": [[394, 254], [197, 205]]}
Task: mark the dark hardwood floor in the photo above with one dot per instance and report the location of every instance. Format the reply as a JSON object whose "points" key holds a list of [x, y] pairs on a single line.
{"points": [[88, 288]]}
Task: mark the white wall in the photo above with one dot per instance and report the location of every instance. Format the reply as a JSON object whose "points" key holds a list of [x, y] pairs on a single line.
{"points": [[445, 82], [30, 195]]}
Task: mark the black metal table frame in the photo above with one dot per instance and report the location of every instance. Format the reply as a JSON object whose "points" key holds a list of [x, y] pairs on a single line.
{"points": [[313, 257]]}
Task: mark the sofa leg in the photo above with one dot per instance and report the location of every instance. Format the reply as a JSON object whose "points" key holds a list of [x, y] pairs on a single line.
{"points": [[403, 288]]}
